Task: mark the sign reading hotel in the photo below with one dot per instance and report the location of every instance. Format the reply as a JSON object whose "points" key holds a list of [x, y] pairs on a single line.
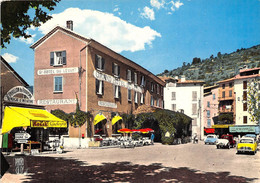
{"points": [[19, 90], [58, 71], [118, 82], [56, 101], [48, 124], [107, 104]]}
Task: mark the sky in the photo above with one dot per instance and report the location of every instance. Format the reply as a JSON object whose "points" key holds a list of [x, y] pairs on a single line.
{"points": [[156, 34]]}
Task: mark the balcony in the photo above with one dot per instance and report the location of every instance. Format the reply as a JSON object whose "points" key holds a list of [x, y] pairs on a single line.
{"points": [[226, 109]]}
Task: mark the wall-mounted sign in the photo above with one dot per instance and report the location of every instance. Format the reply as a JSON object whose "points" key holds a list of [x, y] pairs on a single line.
{"points": [[58, 71], [240, 129], [119, 82], [107, 104], [56, 101], [19, 90], [41, 124], [19, 136]]}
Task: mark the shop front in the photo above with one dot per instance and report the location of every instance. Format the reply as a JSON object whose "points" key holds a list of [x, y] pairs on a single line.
{"points": [[28, 128], [245, 129], [221, 129]]}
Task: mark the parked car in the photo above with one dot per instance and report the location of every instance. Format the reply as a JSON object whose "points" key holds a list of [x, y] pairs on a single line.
{"points": [[211, 139], [247, 144], [223, 143], [250, 135], [226, 141]]}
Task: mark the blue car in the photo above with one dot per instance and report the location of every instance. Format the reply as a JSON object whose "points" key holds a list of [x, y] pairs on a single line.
{"points": [[250, 135], [211, 139]]}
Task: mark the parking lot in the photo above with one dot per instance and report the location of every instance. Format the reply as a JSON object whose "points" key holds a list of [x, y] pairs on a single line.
{"points": [[155, 163]]}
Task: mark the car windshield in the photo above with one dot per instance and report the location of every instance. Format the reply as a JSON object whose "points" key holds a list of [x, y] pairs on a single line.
{"points": [[211, 136], [249, 141]]}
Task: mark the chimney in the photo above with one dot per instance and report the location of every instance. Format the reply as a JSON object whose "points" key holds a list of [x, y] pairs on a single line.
{"points": [[183, 78], [70, 24]]}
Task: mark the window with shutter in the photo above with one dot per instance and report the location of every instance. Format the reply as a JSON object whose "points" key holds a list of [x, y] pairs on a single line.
{"points": [[194, 109], [116, 91], [58, 58], [129, 75], [244, 106], [142, 98], [244, 95], [244, 119], [194, 95], [152, 101], [99, 87], [173, 95], [129, 95], [135, 78], [174, 107], [244, 85], [136, 97], [99, 63], [142, 81]]}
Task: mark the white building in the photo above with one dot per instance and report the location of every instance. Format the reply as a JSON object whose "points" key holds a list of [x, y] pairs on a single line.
{"points": [[243, 120], [186, 96]]}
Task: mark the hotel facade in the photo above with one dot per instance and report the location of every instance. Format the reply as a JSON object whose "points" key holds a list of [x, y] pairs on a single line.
{"points": [[70, 66]]}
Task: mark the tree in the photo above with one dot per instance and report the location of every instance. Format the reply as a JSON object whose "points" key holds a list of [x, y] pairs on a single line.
{"points": [[196, 60], [15, 18], [253, 100]]}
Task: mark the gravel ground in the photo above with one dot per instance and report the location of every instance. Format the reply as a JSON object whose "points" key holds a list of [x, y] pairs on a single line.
{"points": [[157, 163]]}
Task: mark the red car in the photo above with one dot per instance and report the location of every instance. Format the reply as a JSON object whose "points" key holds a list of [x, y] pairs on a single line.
{"points": [[230, 138]]}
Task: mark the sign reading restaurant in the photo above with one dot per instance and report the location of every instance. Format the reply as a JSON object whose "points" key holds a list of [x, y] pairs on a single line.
{"points": [[56, 101]]}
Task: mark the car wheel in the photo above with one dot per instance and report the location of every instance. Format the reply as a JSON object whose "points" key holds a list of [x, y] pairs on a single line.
{"points": [[217, 146]]}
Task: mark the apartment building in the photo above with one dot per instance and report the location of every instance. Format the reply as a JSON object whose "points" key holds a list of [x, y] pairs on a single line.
{"points": [[186, 96], [210, 103], [105, 82], [243, 121]]}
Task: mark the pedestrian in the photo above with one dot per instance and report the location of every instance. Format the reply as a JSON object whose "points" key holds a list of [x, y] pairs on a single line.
{"points": [[152, 138], [195, 139]]}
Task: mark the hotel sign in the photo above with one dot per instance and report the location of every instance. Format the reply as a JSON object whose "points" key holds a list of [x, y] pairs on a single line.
{"points": [[19, 90], [58, 71], [245, 129], [107, 104], [118, 82]]}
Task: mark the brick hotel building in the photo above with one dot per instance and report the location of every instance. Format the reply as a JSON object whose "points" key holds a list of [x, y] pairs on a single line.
{"points": [[68, 64]]}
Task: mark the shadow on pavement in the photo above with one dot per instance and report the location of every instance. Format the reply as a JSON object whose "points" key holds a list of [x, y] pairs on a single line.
{"points": [[49, 169]]}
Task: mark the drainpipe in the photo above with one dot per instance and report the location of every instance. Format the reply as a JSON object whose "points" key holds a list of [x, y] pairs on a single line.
{"points": [[80, 75]]}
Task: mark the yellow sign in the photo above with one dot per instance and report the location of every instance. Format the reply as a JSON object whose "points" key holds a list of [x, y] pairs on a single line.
{"points": [[221, 126], [48, 124]]}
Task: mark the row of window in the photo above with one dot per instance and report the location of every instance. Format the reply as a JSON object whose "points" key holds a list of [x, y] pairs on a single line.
{"points": [[194, 108], [194, 95], [224, 85], [131, 76], [117, 94], [224, 93]]}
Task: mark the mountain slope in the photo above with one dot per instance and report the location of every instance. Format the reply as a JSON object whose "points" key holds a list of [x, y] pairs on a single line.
{"points": [[215, 69]]}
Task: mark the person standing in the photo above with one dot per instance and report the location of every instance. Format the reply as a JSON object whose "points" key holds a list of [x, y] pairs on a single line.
{"points": [[152, 138]]}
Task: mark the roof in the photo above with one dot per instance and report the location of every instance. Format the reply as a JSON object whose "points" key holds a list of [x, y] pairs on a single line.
{"points": [[13, 72], [92, 43], [168, 78], [246, 70]]}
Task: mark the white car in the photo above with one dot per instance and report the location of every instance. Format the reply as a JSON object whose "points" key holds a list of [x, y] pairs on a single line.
{"points": [[223, 143]]}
